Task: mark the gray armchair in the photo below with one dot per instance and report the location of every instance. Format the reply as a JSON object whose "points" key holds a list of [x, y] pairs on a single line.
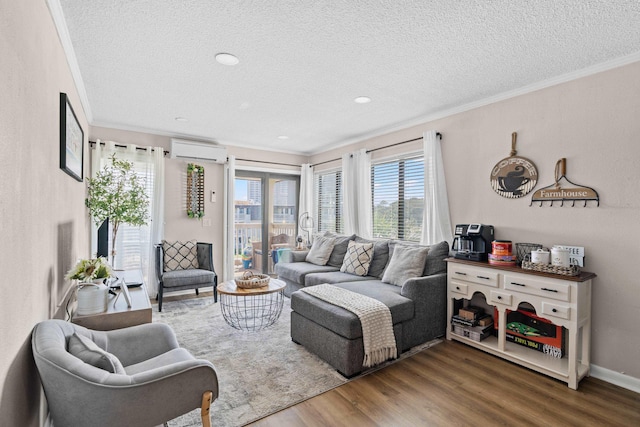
{"points": [[191, 278], [156, 380]]}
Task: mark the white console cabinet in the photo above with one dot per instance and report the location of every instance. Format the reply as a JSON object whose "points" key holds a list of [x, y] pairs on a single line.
{"points": [[564, 300]]}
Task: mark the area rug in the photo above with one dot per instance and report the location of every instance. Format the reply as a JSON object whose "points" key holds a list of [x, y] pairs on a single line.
{"points": [[259, 373]]}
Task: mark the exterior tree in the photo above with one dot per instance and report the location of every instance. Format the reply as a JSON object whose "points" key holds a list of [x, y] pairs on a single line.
{"points": [[119, 194]]}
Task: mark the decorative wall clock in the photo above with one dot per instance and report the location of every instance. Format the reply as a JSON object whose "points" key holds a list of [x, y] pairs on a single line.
{"points": [[513, 176]]}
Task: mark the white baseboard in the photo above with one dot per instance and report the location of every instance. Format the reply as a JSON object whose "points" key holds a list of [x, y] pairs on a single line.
{"points": [[613, 377]]}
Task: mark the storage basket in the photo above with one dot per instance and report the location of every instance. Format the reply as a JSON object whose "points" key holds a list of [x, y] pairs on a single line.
{"points": [[573, 270], [251, 281], [523, 251]]}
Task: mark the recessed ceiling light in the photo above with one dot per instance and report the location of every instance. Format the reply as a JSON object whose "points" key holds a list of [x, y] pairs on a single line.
{"points": [[362, 100], [283, 137], [227, 59], [181, 119]]}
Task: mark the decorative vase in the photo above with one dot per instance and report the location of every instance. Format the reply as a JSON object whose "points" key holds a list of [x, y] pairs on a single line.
{"points": [[92, 298]]}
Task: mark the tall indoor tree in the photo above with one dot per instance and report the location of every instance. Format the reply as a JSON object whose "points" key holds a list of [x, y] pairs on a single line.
{"points": [[117, 193]]}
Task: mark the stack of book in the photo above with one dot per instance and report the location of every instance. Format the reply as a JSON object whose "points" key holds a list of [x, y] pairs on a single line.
{"points": [[473, 323]]}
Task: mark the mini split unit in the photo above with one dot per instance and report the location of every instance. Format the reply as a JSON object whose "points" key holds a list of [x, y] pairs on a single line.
{"points": [[190, 150]]}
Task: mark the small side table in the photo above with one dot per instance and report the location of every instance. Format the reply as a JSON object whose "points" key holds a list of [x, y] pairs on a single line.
{"points": [[118, 314], [251, 309]]}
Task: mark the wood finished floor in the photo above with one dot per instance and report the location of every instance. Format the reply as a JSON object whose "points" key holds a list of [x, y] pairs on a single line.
{"points": [[452, 384]]}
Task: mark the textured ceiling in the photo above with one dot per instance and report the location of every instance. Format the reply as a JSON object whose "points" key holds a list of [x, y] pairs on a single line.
{"points": [[144, 62]]}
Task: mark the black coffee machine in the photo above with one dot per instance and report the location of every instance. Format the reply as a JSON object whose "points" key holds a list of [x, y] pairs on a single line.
{"points": [[472, 241]]}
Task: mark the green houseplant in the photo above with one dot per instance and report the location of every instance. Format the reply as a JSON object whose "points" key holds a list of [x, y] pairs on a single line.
{"points": [[117, 193]]}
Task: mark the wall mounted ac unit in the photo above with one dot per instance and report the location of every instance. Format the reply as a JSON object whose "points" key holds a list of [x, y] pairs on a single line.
{"points": [[190, 150]]}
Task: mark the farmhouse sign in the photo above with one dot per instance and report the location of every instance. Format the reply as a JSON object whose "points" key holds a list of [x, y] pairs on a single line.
{"points": [[555, 192]]}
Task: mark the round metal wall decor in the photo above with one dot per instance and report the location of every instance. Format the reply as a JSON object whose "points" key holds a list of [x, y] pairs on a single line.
{"points": [[514, 176]]}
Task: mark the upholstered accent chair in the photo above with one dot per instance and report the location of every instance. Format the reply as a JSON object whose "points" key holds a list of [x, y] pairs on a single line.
{"points": [[136, 376], [176, 273]]}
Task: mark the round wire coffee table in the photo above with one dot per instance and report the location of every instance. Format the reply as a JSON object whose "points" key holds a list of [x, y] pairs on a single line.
{"points": [[251, 309]]}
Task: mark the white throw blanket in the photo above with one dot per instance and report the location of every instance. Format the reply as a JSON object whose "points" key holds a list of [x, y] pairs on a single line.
{"points": [[375, 318]]}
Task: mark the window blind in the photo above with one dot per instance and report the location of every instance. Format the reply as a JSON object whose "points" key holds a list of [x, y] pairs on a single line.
{"points": [[132, 245], [398, 198], [329, 196]]}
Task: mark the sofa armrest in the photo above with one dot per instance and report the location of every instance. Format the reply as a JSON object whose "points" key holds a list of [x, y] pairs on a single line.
{"points": [[426, 287]]}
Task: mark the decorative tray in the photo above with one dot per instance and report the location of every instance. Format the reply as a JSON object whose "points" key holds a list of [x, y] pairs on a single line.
{"points": [[251, 281], [573, 270]]}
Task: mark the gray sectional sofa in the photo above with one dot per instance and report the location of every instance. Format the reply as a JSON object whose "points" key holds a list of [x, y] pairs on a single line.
{"points": [[415, 296]]}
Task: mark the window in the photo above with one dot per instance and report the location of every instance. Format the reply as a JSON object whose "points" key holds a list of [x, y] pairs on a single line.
{"points": [[133, 242], [397, 193], [329, 196]]}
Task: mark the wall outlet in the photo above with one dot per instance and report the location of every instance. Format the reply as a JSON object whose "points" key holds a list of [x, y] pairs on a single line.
{"points": [[206, 222]]}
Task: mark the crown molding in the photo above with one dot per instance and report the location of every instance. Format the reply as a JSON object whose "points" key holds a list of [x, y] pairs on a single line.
{"points": [[554, 81], [63, 35]]}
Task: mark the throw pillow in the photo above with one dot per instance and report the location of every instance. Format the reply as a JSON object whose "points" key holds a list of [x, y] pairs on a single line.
{"points": [[321, 250], [406, 262], [86, 350], [180, 255], [436, 263], [357, 259], [340, 248], [380, 256]]}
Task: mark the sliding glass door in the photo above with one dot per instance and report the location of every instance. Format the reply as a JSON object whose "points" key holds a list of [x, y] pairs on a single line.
{"points": [[266, 214]]}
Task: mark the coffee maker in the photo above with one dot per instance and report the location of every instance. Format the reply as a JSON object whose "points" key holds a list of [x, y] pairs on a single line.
{"points": [[472, 241]]}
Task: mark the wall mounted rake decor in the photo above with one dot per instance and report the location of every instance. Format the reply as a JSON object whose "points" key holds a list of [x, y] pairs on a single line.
{"points": [[555, 192]]}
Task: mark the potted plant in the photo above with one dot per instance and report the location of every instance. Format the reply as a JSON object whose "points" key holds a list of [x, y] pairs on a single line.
{"points": [[90, 270], [91, 290], [117, 193]]}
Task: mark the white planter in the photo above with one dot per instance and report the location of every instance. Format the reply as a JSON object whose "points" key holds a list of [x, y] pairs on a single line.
{"points": [[92, 298]]}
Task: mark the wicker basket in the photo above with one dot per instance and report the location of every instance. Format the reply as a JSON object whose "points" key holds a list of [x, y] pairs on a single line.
{"points": [[573, 270], [251, 281]]}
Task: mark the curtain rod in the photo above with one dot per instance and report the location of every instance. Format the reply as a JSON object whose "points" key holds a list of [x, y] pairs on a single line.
{"points": [[270, 163], [124, 146], [438, 135]]}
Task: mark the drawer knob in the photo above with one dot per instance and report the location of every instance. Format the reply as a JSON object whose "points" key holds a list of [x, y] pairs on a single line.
{"points": [[458, 287], [554, 310], [550, 290], [499, 297]]}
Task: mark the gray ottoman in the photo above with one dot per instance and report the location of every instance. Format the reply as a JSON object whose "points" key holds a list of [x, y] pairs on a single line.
{"points": [[335, 334]]}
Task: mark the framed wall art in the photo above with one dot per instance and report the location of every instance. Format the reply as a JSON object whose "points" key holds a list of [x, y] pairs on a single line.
{"points": [[71, 140]]}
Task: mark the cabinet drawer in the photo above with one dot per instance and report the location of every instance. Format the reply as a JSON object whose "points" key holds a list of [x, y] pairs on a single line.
{"points": [[479, 276], [500, 297], [555, 310], [547, 289], [459, 288]]}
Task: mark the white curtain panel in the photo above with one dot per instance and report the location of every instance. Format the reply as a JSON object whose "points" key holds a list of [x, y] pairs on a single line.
{"points": [[436, 222], [356, 193], [150, 164], [157, 214], [229, 218], [306, 194]]}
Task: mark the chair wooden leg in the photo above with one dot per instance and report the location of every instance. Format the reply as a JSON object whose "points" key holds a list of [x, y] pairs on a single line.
{"points": [[197, 291], [206, 406]]}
